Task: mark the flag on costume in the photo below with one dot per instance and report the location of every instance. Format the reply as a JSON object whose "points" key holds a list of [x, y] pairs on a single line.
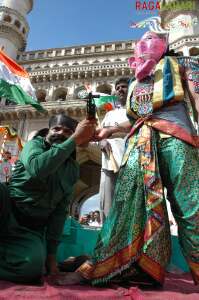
{"points": [[15, 83]]}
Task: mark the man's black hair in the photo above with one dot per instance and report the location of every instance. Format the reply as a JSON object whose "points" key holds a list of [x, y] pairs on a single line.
{"points": [[42, 132], [62, 119], [122, 80]]}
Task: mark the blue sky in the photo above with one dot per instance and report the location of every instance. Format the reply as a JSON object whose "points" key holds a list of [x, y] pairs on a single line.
{"points": [[61, 23]]}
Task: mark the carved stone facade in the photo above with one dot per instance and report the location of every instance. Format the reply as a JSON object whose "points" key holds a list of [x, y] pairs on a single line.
{"points": [[58, 74], [182, 19]]}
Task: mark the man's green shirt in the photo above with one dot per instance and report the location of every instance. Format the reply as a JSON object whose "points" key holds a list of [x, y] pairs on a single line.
{"points": [[41, 186]]}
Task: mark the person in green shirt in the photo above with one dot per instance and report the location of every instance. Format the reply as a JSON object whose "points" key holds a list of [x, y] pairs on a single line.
{"points": [[33, 207]]}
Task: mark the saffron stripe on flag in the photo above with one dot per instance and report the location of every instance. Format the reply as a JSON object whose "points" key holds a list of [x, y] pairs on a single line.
{"points": [[15, 83], [12, 65], [24, 82]]}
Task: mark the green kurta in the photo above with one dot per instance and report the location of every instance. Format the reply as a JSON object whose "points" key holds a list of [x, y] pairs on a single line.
{"points": [[40, 190]]}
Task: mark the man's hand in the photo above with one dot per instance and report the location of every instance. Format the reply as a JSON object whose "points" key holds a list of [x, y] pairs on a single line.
{"points": [[106, 132], [84, 132], [102, 133], [105, 146], [51, 265]]}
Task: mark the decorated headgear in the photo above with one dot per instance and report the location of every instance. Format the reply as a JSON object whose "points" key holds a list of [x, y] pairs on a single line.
{"points": [[148, 52]]}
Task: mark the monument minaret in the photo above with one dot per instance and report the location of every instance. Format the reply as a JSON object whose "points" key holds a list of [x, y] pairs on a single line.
{"points": [[182, 19], [14, 27]]}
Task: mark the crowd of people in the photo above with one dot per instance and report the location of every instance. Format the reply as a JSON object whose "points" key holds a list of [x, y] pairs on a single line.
{"points": [[92, 219]]}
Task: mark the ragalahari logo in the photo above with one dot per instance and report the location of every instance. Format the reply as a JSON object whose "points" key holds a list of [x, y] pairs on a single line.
{"points": [[151, 6]]}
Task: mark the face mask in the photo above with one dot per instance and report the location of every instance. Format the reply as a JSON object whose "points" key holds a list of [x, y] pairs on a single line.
{"points": [[148, 52]]}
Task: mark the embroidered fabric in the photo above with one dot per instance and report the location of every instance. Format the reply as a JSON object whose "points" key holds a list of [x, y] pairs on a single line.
{"points": [[141, 100], [193, 64]]}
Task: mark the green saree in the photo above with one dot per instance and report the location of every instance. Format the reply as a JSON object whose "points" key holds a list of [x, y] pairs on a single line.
{"points": [[136, 232]]}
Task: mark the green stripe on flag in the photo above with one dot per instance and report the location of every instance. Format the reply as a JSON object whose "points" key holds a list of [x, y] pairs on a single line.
{"points": [[16, 94], [105, 99]]}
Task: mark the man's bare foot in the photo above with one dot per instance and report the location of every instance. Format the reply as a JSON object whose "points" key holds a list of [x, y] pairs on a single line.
{"points": [[70, 278]]}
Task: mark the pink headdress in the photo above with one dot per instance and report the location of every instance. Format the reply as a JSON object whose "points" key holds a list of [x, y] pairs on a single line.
{"points": [[148, 52]]}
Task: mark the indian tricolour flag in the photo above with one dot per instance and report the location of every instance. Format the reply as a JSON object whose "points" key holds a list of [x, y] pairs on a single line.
{"points": [[15, 83], [108, 102]]}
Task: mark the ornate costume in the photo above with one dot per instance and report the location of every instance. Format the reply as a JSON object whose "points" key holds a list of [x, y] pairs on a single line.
{"points": [[161, 151]]}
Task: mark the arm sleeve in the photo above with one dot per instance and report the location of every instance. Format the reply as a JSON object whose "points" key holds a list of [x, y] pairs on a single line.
{"points": [[40, 163], [55, 226]]}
